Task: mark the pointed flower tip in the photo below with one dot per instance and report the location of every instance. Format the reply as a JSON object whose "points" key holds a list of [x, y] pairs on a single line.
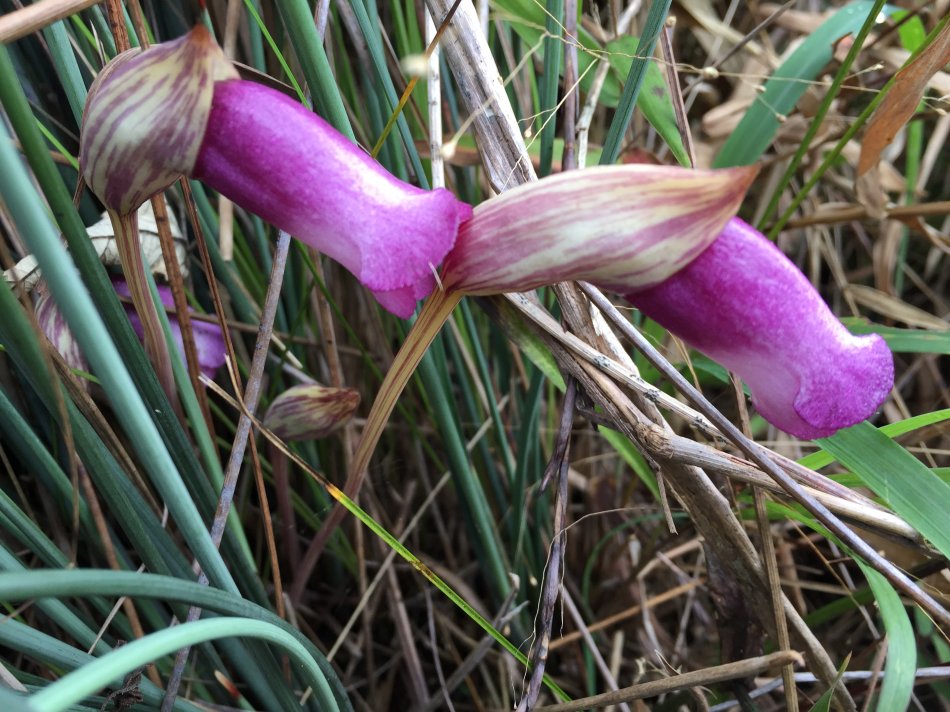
{"points": [[620, 227], [310, 411], [145, 118], [745, 305]]}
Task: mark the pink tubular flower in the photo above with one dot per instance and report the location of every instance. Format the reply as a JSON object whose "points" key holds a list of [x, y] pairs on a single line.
{"points": [[209, 342], [272, 156], [178, 109], [745, 305], [665, 237]]}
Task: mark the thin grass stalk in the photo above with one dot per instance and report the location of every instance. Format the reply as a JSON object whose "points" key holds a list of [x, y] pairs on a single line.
{"points": [[370, 30], [631, 87], [72, 688], [251, 399], [99, 349], [553, 55], [92, 582], [19, 636], [393, 543], [832, 156], [435, 311], [557, 468], [173, 270], [124, 500], [706, 505], [67, 68], [103, 293], [89, 329], [816, 121], [313, 59]]}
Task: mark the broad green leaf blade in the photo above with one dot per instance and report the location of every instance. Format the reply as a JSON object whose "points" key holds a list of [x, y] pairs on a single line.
{"points": [[897, 477], [898, 683], [820, 459], [760, 123]]}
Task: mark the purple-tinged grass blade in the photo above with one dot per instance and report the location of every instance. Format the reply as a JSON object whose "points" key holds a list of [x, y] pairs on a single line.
{"points": [[745, 305]]}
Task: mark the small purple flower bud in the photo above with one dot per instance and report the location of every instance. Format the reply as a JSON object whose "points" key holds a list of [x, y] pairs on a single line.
{"points": [[310, 411]]}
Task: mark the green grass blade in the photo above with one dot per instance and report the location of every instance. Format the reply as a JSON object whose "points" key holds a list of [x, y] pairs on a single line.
{"points": [[309, 49], [527, 19], [820, 459], [897, 477], [80, 683], [788, 83], [92, 582], [70, 293], [643, 57], [67, 68], [39, 646], [900, 668], [553, 53], [907, 341]]}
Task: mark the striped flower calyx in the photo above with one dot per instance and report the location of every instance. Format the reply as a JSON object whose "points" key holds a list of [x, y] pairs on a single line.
{"points": [[145, 118]]}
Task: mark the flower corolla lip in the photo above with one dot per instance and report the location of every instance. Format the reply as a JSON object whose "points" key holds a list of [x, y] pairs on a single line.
{"points": [[620, 227], [310, 411], [745, 305], [209, 341]]}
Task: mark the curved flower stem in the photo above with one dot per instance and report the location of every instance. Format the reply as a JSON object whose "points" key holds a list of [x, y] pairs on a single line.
{"points": [[435, 312], [175, 281], [126, 228], [760, 456]]}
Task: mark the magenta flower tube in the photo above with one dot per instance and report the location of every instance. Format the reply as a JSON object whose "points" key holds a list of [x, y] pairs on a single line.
{"points": [[745, 305], [274, 157]]}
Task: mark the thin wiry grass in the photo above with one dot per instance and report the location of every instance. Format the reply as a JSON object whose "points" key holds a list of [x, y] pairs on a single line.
{"points": [[658, 572]]}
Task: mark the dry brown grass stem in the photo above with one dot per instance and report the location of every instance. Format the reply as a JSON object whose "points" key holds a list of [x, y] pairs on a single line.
{"points": [[708, 676], [504, 159], [38, 15]]}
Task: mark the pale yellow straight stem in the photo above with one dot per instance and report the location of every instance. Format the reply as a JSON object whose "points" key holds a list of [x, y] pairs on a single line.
{"points": [[32, 18]]}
